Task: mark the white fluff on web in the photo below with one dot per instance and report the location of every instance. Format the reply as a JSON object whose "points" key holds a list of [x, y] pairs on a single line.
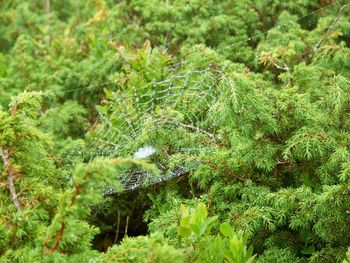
{"points": [[144, 152]]}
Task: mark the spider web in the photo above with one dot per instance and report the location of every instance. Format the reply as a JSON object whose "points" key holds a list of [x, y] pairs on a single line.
{"points": [[154, 108]]}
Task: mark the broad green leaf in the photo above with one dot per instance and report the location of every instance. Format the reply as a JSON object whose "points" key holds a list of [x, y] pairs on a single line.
{"points": [[226, 229], [184, 231]]}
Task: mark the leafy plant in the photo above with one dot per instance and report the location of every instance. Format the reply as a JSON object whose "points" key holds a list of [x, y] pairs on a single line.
{"points": [[195, 229]]}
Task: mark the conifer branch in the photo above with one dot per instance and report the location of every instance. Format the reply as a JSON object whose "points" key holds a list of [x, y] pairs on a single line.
{"points": [[224, 170], [328, 31], [60, 232], [11, 175], [76, 192]]}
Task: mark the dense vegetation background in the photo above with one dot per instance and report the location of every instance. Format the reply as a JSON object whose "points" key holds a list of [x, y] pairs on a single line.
{"points": [[262, 90]]}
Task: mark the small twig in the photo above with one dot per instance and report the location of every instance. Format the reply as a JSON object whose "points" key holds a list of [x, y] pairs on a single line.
{"points": [[188, 126], [14, 109], [225, 170], [197, 129], [283, 162], [117, 232], [126, 226], [11, 174], [93, 126], [59, 238], [329, 31], [47, 12], [284, 68], [266, 58]]}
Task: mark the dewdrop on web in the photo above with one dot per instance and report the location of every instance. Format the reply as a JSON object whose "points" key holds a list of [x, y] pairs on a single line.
{"points": [[144, 152]]}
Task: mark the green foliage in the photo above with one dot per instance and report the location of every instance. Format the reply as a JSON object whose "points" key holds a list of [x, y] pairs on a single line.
{"points": [[144, 249], [195, 229], [252, 97]]}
